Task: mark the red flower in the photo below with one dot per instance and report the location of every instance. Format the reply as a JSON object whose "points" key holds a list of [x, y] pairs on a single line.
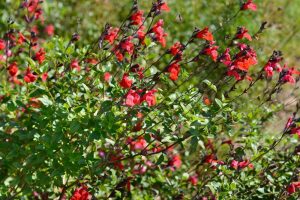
{"points": [[211, 158], [205, 34], [288, 79], [288, 75], [139, 169], [107, 76], [138, 69], [118, 54], [141, 34], [44, 77], [174, 70], [193, 179], [234, 164], [273, 63], [2, 44], [269, 71], [127, 45], [212, 52], [132, 98], [176, 48], [111, 35], [249, 5], [245, 59], [150, 98], [296, 130], [75, 65], [206, 101], [175, 161], [138, 144], [159, 32], [29, 77], [137, 18], [35, 30], [13, 69], [34, 102], [31, 5], [40, 56], [292, 187], [235, 74], [243, 33], [164, 6], [225, 58], [115, 159], [21, 39], [245, 163], [81, 193], [126, 82], [49, 30], [92, 61]]}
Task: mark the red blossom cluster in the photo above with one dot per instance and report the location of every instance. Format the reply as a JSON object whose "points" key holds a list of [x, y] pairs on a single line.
{"points": [[241, 165], [81, 193], [293, 187]]}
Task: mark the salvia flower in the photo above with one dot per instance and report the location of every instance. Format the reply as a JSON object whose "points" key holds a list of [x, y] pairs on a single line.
{"points": [[111, 35], [159, 33], [163, 7], [138, 70], [81, 193], [107, 76], [211, 51], [243, 33], [225, 58], [175, 161], [174, 70], [273, 63], [137, 18], [75, 65], [29, 76], [244, 59], [21, 39], [138, 144], [44, 77], [132, 98], [205, 34], [287, 75], [49, 29], [176, 48], [292, 187], [141, 34], [126, 82], [193, 179], [40, 56], [13, 69], [150, 98], [127, 45], [249, 5], [2, 44], [241, 165]]}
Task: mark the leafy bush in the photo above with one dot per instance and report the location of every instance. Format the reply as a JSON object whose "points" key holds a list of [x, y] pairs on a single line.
{"points": [[128, 116]]}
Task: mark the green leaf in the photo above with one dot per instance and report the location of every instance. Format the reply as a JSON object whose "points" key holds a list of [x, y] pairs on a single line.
{"points": [[74, 126], [45, 100], [160, 159], [219, 103], [210, 85]]}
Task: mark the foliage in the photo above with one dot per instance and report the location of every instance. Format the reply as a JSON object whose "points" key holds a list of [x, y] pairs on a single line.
{"points": [[126, 112]]}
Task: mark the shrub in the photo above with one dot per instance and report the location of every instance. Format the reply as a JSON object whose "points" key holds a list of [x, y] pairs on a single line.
{"points": [[111, 119]]}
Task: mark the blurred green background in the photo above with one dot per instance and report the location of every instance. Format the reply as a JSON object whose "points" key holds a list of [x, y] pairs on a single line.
{"points": [[87, 17]]}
